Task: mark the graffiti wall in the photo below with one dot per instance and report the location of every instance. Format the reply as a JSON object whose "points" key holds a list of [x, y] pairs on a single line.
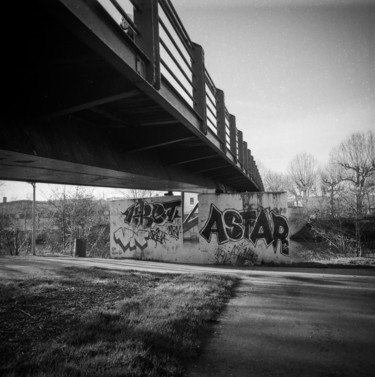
{"points": [[244, 229], [149, 229]]}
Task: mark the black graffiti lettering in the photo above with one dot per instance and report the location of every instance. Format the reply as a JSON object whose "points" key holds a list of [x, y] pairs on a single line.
{"points": [[159, 214], [137, 214], [147, 219], [249, 218], [148, 214], [128, 214], [174, 231], [158, 236], [239, 255], [262, 229], [214, 224], [280, 232], [171, 209], [233, 224]]}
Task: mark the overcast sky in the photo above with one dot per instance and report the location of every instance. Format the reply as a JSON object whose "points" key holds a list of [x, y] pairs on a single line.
{"points": [[299, 75]]}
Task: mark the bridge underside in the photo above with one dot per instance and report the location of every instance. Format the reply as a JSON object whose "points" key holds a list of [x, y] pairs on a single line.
{"points": [[75, 114]]}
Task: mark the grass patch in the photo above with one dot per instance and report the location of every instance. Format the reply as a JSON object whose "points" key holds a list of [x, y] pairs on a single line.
{"points": [[95, 322]]}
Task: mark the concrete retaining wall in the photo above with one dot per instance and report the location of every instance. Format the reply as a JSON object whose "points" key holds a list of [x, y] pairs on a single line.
{"points": [[244, 229], [146, 228], [233, 229]]}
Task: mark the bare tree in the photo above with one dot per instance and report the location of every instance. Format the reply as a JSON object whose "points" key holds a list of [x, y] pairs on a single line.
{"points": [[303, 173], [331, 185], [14, 233], [73, 214], [356, 157], [274, 181], [136, 193]]}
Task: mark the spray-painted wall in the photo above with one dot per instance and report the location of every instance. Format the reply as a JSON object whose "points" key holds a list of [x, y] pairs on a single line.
{"points": [[244, 229], [148, 229], [234, 229]]}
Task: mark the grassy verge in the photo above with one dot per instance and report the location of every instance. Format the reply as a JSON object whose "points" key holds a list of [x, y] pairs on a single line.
{"points": [[96, 322]]}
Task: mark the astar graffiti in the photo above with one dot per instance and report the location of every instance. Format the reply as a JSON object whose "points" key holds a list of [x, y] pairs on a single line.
{"points": [[232, 225]]}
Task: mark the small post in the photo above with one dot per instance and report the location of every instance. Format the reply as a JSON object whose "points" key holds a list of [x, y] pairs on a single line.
{"points": [[233, 136], [33, 231], [183, 206], [220, 114], [199, 84], [147, 20]]}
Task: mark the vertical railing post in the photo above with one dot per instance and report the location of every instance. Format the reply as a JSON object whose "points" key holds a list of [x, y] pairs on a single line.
{"points": [[253, 167], [240, 147], [257, 177], [245, 156], [220, 114], [199, 85], [233, 135], [147, 20], [249, 164]]}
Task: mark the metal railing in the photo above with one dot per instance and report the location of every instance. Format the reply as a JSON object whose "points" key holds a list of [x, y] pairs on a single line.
{"points": [[176, 56], [122, 13], [211, 111], [173, 59]]}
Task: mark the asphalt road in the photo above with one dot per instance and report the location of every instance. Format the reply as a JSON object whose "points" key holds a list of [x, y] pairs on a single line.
{"points": [[295, 324], [281, 322]]}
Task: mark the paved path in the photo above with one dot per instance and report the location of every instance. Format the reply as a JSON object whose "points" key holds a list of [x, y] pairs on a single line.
{"points": [[282, 321], [295, 325]]}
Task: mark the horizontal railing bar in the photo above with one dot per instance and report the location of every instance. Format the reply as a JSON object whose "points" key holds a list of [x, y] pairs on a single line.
{"points": [[124, 14], [213, 124], [172, 20], [211, 88], [172, 15], [209, 81], [211, 100], [177, 79], [176, 62], [175, 44], [211, 111]]}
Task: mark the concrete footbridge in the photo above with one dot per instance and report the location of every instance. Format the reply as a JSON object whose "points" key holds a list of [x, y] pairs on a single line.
{"points": [[114, 94]]}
